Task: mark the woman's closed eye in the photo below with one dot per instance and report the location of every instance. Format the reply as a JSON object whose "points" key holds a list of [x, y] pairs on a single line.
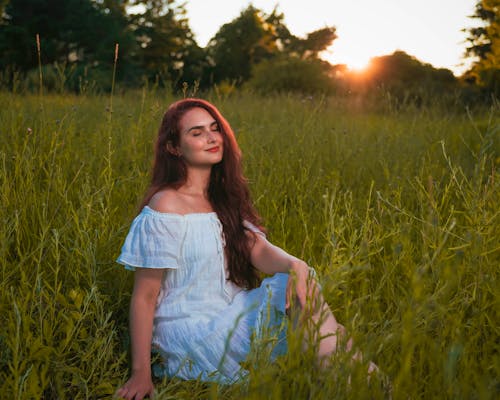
{"points": [[213, 129]]}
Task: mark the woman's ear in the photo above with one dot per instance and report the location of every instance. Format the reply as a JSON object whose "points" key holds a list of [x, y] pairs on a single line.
{"points": [[173, 150]]}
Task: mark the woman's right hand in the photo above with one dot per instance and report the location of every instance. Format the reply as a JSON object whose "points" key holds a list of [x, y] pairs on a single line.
{"points": [[147, 284], [137, 387]]}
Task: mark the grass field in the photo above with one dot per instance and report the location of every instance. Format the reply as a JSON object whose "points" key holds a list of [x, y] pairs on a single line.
{"points": [[397, 208]]}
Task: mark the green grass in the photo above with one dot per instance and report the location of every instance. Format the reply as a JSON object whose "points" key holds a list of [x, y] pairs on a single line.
{"points": [[397, 208]]}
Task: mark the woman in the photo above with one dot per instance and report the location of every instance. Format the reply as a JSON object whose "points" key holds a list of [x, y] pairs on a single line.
{"points": [[197, 250]]}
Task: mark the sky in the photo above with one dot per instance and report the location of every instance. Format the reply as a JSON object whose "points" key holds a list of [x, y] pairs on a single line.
{"points": [[427, 29]]}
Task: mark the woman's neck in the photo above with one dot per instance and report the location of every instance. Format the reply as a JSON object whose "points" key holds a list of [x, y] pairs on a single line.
{"points": [[197, 182]]}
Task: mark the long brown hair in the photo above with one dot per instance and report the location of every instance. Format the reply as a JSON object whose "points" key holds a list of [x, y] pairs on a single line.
{"points": [[228, 190]]}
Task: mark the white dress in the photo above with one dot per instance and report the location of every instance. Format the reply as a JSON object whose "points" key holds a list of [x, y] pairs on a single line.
{"points": [[204, 325]]}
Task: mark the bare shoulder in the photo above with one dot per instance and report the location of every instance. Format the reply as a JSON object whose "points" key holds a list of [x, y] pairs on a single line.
{"points": [[166, 200]]}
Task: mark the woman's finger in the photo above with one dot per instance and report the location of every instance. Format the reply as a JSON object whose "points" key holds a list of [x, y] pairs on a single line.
{"points": [[289, 291], [120, 392]]}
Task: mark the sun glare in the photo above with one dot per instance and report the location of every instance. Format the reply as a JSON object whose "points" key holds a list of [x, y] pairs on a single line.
{"points": [[357, 60], [354, 61], [359, 64]]}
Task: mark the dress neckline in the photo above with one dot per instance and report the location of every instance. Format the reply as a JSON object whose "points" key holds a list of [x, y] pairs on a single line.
{"points": [[152, 211]]}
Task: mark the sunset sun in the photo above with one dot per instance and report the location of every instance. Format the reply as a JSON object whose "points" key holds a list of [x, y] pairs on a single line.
{"points": [[358, 64], [357, 61]]}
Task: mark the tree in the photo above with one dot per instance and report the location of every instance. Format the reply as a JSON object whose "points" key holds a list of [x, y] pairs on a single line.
{"points": [[237, 45], [78, 33], [484, 46], [314, 43], [81, 34], [404, 76], [254, 37], [291, 45], [166, 44], [70, 31]]}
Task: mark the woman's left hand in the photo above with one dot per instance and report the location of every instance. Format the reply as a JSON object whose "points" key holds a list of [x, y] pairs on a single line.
{"points": [[301, 287]]}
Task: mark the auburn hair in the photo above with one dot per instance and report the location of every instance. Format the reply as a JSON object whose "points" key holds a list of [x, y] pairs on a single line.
{"points": [[228, 190]]}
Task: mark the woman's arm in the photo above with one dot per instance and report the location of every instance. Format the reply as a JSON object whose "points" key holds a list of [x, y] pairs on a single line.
{"points": [[271, 259], [147, 284]]}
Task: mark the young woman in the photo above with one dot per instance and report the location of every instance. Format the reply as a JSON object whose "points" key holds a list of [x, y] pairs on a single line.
{"points": [[197, 249]]}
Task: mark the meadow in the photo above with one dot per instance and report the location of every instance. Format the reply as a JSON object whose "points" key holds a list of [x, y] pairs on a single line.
{"points": [[395, 205]]}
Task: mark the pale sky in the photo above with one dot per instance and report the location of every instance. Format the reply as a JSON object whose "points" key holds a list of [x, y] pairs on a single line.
{"points": [[427, 29]]}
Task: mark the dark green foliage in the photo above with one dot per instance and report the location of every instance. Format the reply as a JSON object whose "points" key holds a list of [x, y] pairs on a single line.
{"points": [[255, 37], [291, 74], [484, 46], [314, 43], [404, 77], [81, 35], [239, 44], [157, 46], [166, 46], [70, 31], [401, 71]]}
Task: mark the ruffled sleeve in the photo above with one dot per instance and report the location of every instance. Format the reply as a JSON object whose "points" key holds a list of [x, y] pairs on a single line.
{"points": [[252, 228], [154, 241]]}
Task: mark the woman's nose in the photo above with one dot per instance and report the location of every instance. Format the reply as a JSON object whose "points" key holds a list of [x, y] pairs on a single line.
{"points": [[210, 136]]}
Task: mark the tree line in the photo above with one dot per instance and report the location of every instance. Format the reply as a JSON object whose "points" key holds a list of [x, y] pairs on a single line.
{"points": [[156, 45]]}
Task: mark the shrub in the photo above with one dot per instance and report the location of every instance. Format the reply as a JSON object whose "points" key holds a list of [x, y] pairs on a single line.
{"points": [[287, 74]]}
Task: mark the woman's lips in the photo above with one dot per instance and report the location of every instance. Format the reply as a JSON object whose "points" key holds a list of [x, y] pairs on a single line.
{"points": [[214, 149]]}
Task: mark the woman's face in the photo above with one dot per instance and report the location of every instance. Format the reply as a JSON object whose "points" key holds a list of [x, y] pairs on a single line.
{"points": [[200, 140]]}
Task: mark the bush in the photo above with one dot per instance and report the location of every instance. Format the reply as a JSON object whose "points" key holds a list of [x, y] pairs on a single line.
{"points": [[288, 74]]}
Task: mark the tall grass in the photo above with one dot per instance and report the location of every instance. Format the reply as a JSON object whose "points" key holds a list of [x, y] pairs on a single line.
{"points": [[396, 209]]}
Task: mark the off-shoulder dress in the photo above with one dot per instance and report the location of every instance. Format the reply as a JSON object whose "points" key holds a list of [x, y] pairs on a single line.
{"points": [[204, 325]]}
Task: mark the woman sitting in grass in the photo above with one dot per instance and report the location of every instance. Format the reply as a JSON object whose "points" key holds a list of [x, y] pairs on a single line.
{"points": [[197, 248]]}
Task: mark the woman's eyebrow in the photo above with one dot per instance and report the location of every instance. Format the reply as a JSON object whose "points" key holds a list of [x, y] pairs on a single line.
{"points": [[201, 126]]}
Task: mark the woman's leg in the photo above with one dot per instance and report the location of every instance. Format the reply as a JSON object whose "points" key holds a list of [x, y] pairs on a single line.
{"points": [[320, 327]]}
